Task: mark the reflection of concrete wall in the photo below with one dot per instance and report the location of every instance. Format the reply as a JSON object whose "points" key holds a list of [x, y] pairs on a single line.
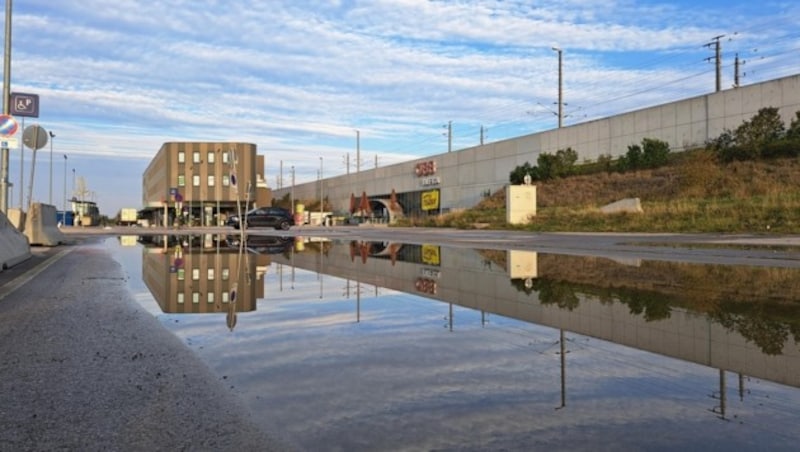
{"points": [[467, 279], [466, 174], [206, 281]]}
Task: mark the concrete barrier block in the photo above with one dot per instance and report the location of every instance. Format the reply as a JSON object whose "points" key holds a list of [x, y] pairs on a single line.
{"points": [[41, 227], [14, 247], [627, 205], [17, 218]]}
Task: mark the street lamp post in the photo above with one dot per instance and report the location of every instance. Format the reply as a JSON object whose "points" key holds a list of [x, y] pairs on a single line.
{"points": [[52, 135], [560, 92], [321, 196]]}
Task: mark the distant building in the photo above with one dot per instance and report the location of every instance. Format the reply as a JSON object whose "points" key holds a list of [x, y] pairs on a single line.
{"points": [[201, 184], [84, 213]]}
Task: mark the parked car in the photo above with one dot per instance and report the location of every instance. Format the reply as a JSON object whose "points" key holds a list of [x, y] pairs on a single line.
{"points": [[262, 244], [269, 217]]}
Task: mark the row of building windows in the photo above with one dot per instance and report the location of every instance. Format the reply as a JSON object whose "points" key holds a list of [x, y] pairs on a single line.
{"points": [[209, 275], [210, 157], [226, 180], [209, 297]]}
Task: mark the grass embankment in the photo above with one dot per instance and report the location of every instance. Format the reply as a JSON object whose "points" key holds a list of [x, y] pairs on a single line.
{"points": [[693, 194]]}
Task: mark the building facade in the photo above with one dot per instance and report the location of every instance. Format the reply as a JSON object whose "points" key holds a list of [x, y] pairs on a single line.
{"points": [[202, 183]]}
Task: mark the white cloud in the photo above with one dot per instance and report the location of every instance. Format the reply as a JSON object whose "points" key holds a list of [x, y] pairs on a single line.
{"points": [[304, 75]]}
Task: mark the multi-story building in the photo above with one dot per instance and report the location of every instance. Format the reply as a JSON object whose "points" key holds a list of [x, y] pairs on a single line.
{"points": [[195, 183]]}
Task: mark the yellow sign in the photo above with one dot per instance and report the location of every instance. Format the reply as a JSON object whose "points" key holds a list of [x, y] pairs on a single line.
{"points": [[430, 200], [430, 255]]}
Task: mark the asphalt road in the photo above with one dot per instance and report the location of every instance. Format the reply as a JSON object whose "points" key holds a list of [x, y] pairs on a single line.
{"points": [[84, 367]]}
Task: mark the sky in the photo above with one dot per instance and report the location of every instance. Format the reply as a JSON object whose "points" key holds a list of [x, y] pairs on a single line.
{"points": [[301, 79]]}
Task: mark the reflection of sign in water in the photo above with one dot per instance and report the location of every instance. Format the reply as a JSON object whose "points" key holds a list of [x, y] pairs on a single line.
{"points": [[426, 285], [430, 254], [430, 200]]}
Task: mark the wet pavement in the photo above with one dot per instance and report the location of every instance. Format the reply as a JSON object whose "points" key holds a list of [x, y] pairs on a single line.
{"points": [[385, 339], [84, 367]]}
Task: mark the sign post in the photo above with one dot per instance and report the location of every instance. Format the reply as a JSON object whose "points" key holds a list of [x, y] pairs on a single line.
{"points": [[34, 137]]}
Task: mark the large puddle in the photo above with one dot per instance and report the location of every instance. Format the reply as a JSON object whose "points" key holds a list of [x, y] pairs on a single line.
{"points": [[345, 345]]}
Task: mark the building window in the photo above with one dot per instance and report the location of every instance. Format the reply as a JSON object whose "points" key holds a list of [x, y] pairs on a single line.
{"points": [[224, 297], [181, 180], [210, 157], [181, 274], [181, 157], [225, 158], [196, 274], [196, 157], [210, 297], [225, 274], [196, 180], [195, 297], [210, 274], [210, 180], [226, 180], [180, 297]]}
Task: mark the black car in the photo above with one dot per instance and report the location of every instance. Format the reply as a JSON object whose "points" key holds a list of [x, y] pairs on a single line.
{"points": [[270, 217], [261, 243]]}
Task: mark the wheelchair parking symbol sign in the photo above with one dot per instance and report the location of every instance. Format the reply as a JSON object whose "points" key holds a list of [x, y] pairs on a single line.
{"points": [[23, 104]]}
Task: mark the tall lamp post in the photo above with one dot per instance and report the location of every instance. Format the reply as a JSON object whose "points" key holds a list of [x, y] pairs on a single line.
{"points": [[52, 135], [321, 197], [6, 109], [560, 91]]}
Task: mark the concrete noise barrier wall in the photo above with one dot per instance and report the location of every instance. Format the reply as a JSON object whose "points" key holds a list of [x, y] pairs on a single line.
{"points": [[41, 227], [14, 247]]}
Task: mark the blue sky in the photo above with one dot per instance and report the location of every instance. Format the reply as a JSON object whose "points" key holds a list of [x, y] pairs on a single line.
{"points": [[298, 78]]}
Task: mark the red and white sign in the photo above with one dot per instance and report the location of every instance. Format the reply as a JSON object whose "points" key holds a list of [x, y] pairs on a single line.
{"points": [[8, 125], [423, 169]]}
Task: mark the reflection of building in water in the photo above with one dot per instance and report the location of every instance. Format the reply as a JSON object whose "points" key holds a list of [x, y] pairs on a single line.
{"points": [[193, 275], [600, 298]]}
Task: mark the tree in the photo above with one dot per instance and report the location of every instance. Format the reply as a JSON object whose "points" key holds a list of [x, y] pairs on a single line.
{"points": [[655, 153], [756, 138], [517, 176], [794, 128], [765, 127], [631, 160], [560, 164]]}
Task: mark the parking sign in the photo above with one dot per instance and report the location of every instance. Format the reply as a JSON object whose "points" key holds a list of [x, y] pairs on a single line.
{"points": [[23, 104]]}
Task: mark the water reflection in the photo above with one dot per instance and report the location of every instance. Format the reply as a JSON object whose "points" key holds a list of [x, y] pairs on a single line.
{"points": [[352, 361], [745, 319], [205, 274]]}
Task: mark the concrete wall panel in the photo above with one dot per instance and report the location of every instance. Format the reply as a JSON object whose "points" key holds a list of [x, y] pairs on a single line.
{"points": [[683, 124], [733, 102], [771, 95]]}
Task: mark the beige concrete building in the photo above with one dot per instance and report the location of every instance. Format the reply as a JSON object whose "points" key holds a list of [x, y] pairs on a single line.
{"points": [[202, 183]]}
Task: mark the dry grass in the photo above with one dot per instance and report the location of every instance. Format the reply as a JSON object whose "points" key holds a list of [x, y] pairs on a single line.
{"points": [[696, 194]]}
